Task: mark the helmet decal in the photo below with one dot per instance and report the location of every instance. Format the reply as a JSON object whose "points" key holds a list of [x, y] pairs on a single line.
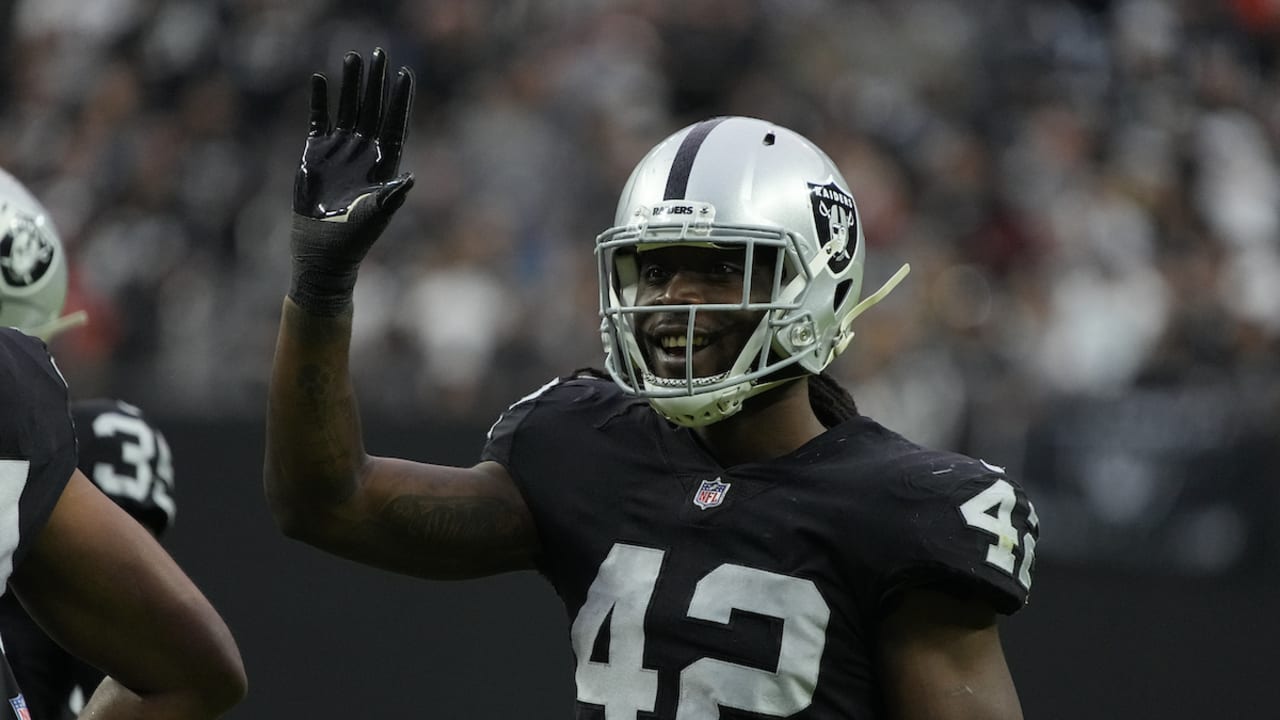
{"points": [[33, 265], [835, 221], [26, 253]]}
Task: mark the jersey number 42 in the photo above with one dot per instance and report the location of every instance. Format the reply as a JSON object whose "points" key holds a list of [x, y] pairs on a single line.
{"points": [[620, 595]]}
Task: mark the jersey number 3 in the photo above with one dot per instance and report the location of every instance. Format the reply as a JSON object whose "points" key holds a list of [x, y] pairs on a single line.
{"points": [[620, 595], [146, 454]]}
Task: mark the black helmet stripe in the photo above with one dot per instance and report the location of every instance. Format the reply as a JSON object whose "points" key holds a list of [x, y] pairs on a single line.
{"points": [[682, 166]]}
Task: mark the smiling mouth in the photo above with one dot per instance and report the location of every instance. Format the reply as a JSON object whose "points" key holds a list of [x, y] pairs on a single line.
{"points": [[679, 344], [671, 351]]}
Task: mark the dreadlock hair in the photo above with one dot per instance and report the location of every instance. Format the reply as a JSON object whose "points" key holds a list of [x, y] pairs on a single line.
{"points": [[830, 401]]}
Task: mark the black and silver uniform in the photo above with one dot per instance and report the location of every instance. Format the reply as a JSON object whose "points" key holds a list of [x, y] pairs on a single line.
{"points": [[37, 458], [699, 592], [127, 458]]}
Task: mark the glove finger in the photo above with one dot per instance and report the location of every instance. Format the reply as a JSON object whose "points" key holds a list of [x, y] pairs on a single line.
{"points": [[392, 193], [318, 120], [371, 108], [349, 99], [395, 126]]}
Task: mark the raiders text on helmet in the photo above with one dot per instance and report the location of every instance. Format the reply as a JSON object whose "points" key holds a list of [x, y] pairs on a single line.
{"points": [[737, 183]]}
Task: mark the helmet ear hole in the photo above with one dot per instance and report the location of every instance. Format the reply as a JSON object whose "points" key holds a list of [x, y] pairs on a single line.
{"points": [[842, 289]]}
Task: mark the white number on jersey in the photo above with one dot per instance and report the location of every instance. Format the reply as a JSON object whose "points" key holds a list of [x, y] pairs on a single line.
{"points": [[992, 511], [139, 447], [621, 593]]}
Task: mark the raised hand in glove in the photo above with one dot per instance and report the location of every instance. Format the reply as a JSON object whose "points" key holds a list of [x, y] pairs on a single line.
{"points": [[347, 186]]}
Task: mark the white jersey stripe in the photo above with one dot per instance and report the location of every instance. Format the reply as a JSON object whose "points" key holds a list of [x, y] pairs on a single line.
{"points": [[531, 396], [13, 479]]}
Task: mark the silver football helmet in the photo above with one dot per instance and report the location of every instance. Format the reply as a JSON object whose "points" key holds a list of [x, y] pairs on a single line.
{"points": [[743, 184], [33, 266]]}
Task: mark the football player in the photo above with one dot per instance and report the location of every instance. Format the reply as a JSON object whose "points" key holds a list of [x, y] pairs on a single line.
{"points": [[86, 571], [128, 459], [730, 537]]}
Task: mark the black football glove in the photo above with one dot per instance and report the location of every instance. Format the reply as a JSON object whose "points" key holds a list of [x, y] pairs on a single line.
{"points": [[347, 186]]}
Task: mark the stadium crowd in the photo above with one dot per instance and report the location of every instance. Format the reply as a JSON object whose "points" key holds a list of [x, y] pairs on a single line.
{"points": [[1088, 192]]}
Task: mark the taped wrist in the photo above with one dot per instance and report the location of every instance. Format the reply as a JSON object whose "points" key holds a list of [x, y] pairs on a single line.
{"points": [[326, 259]]}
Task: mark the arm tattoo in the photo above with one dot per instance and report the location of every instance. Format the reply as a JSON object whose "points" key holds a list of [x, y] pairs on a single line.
{"points": [[327, 413], [460, 529]]}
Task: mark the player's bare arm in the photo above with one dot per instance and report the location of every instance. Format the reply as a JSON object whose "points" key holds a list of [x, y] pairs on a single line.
{"points": [[941, 659], [426, 520], [102, 586]]}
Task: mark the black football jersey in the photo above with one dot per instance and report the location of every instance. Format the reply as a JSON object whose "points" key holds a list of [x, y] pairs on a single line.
{"points": [[47, 674], [128, 459], [755, 591], [37, 455]]}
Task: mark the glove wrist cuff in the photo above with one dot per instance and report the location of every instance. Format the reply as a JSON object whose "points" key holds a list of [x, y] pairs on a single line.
{"points": [[326, 260]]}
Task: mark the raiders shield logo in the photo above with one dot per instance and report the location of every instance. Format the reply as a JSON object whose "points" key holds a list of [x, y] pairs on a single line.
{"points": [[26, 252], [836, 222]]}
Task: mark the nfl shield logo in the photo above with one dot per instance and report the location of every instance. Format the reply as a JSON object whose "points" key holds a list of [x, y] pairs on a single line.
{"points": [[711, 493], [20, 707]]}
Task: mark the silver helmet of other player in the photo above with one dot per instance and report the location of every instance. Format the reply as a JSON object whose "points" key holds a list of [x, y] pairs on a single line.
{"points": [[120, 451], [33, 266], [736, 183]]}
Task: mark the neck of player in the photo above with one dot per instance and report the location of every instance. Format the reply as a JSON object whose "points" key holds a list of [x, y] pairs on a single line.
{"points": [[769, 425]]}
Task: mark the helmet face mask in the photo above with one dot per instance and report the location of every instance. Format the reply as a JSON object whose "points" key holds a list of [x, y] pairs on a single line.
{"points": [[750, 186], [33, 265], [622, 264]]}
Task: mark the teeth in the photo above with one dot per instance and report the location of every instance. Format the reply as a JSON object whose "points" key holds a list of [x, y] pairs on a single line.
{"points": [[679, 341]]}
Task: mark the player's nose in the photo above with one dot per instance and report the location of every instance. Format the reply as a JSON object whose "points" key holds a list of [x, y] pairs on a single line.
{"points": [[683, 288]]}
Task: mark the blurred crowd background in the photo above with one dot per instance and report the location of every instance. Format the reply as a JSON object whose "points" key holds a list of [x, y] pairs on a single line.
{"points": [[1087, 193]]}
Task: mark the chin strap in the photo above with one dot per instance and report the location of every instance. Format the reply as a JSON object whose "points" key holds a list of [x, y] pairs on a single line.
{"points": [[846, 325], [46, 331]]}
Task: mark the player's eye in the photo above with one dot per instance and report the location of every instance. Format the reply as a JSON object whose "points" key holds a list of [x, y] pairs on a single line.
{"points": [[654, 274]]}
